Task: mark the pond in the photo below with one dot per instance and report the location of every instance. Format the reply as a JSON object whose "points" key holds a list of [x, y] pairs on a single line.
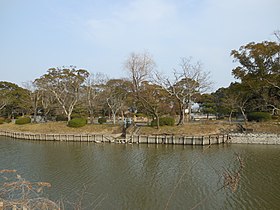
{"points": [[133, 176]]}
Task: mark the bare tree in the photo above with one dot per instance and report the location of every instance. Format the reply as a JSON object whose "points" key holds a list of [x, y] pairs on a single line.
{"points": [[277, 35], [116, 92], [34, 97], [186, 82], [48, 102], [65, 84], [153, 100], [148, 96], [139, 67], [94, 87]]}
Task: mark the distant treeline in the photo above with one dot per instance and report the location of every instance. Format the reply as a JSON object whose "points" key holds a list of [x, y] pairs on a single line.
{"points": [[68, 92]]}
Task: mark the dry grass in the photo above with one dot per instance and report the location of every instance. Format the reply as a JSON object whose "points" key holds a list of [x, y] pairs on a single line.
{"points": [[18, 193], [269, 127], [210, 127], [61, 128], [189, 129]]}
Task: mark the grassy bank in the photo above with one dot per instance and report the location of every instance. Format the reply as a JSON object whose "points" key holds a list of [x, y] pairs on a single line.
{"points": [[61, 128], [189, 129], [212, 127], [196, 129]]}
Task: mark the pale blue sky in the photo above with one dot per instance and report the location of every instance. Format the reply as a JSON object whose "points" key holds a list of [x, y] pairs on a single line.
{"points": [[98, 35]]}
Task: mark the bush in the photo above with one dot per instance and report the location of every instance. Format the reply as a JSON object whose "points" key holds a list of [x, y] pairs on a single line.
{"points": [[23, 120], [5, 120], [164, 121], [8, 120], [77, 122], [79, 115], [259, 116], [61, 118], [102, 120]]}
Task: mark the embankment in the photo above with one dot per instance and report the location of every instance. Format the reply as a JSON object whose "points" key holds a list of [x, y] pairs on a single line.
{"points": [[233, 138], [254, 138]]}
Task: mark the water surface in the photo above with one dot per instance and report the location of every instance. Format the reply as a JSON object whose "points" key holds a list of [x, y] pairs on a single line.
{"points": [[125, 176]]}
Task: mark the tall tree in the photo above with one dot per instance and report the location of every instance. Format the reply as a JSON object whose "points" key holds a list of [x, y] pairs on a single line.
{"points": [[237, 98], [153, 100], [65, 84], [185, 84], [259, 70], [13, 99], [48, 103], [206, 103], [139, 67], [148, 97], [115, 93], [94, 87], [34, 97], [4, 96]]}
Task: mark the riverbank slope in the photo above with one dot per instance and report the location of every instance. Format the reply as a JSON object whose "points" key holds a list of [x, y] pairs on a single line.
{"points": [[189, 129], [203, 133]]}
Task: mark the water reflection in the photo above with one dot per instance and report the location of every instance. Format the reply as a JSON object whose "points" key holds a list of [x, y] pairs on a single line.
{"points": [[146, 176]]}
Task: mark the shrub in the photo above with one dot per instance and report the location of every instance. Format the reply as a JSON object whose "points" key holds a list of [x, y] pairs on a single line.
{"points": [[75, 115], [102, 120], [164, 121], [5, 120], [259, 116], [61, 118], [8, 120], [77, 122], [23, 120]]}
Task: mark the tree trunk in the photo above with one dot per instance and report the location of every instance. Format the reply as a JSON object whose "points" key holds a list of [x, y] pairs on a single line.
{"points": [[189, 111], [91, 116], [182, 116], [68, 117], [157, 119], [243, 114], [2, 106], [114, 117], [35, 116], [230, 117], [122, 116]]}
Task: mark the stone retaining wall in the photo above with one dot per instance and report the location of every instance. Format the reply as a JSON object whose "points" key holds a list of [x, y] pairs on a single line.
{"points": [[254, 138]]}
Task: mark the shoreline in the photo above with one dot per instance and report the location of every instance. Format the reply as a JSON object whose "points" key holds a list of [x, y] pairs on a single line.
{"points": [[232, 138]]}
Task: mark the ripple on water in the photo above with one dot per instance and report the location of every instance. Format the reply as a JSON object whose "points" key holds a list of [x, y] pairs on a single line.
{"points": [[148, 176]]}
